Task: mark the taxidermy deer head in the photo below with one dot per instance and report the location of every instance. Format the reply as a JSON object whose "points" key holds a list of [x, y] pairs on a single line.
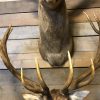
{"points": [[55, 38], [40, 91]]}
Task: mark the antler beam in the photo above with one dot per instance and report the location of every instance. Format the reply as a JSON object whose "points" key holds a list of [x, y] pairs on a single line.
{"points": [[29, 84], [70, 75]]}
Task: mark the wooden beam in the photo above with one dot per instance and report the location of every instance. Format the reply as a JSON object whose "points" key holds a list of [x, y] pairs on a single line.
{"points": [[25, 19], [80, 59], [16, 6], [20, 19], [31, 45], [32, 32], [7, 78]]}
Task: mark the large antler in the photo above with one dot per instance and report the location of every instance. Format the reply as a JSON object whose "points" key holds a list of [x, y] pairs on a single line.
{"points": [[92, 24], [78, 82], [70, 76], [29, 84], [96, 59]]}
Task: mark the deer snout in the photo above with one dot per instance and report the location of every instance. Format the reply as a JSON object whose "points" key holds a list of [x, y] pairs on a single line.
{"points": [[56, 60]]}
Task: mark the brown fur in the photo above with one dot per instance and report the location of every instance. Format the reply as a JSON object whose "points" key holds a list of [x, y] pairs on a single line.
{"points": [[57, 95], [55, 39]]}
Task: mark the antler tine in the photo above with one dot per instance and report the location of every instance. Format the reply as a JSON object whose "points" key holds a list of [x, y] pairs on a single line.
{"points": [[96, 59], [78, 82], [5, 38], [70, 75], [40, 77], [29, 84], [92, 24], [22, 76]]}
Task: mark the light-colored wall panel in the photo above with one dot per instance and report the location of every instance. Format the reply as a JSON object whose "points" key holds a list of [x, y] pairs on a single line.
{"points": [[25, 19], [80, 59], [24, 32], [20, 19], [31, 45], [17, 6], [32, 32]]}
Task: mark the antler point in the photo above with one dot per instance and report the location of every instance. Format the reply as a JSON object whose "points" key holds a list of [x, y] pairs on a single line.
{"points": [[22, 77]]}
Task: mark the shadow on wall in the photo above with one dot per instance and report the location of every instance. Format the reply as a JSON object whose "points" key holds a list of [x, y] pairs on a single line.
{"points": [[81, 5]]}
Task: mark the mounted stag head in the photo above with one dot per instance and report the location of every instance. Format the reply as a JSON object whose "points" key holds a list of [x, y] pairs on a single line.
{"points": [[40, 91], [55, 38]]}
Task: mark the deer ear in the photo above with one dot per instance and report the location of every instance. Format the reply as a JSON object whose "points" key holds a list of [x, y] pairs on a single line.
{"points": [[79, 95], [31, 97]]}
